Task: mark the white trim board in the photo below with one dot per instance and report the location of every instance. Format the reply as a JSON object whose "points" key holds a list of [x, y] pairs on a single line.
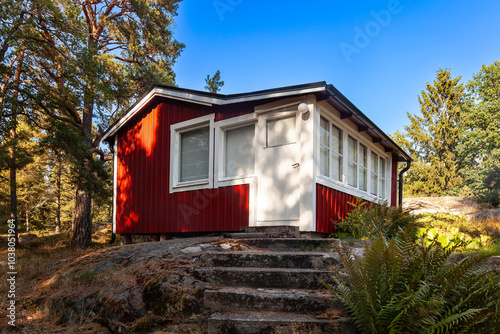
{"points": [[199, 99]]}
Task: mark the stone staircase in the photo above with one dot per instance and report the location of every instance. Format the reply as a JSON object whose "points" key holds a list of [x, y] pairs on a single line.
{"points": [[272, 285]]}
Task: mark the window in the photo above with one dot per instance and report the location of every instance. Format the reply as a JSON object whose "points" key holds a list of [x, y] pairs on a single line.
{"points": [[239, 155], [337, 160], [194, 155], [324, 147], [191, 160], [374, 174], [281, 131], [381, 180], [331, 150], [352, 162], [363, 167]]}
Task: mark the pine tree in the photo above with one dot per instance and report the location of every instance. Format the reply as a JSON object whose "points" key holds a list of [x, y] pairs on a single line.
{"points": [[434, 136], [214, 83], [88, 60]]}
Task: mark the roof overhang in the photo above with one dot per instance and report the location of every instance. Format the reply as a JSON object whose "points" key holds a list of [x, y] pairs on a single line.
{"points": [[322, 91]]}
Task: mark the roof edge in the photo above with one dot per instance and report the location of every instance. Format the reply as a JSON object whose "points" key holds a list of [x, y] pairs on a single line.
{"points": [[336, 94], [207, 98]]}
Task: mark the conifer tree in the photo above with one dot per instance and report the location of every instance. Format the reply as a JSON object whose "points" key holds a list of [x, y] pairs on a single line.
{"points": [[214, 84], [435, 135], [86, 61]]}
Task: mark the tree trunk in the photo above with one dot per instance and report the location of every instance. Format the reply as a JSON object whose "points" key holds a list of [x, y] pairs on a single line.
{"points": [[58, 195], [82, 234], [27, 220], [12, 148]]}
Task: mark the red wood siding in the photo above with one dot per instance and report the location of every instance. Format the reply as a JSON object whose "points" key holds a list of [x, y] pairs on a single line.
{"points": [[144, 204], [331, 206]]}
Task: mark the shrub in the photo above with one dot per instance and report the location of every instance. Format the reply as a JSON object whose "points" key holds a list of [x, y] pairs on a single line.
{"points": [[403, 286], [456, 230], [368, 220]]}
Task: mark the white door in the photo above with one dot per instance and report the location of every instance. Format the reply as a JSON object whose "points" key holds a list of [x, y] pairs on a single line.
{"points": [[278, 170]]}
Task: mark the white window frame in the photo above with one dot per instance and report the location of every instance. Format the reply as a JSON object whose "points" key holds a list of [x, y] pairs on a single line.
{"points": [[220, 143], [361, 140], [175, 132]]}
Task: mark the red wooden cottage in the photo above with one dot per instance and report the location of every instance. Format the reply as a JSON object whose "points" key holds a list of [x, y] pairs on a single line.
{"points": [[192, 161]]}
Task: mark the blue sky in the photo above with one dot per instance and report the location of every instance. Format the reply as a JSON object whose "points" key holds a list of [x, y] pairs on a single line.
{"points": [[379, 54]]}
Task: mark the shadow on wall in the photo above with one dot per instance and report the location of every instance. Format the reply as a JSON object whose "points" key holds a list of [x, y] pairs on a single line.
{"points": [[144, 204]]}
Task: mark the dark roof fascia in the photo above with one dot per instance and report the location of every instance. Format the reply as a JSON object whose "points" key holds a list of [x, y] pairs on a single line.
{"points": [[337, 95], [243, 95], [329, 89]]}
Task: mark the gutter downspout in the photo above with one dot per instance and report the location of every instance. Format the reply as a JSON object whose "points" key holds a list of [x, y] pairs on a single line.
{"points": [[400, 180]]}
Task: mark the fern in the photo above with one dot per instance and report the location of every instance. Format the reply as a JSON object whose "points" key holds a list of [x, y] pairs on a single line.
{"points": [[407, 286]]}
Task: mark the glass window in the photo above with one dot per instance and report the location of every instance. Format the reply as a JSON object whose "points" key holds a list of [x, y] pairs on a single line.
{"points": [[374, 173], [381, 179], [324, 147], [281, 132], [337, 159], [194, 154], [240, 151], [363, 167], [366, 170], [352, 162]]}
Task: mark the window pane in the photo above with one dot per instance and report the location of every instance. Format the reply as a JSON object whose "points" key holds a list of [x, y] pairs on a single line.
{"points": [[352, 162], [363, 167], [382, 178], [194, 154], [240, 151], [337, 159], [353, 174], [281, 132], [337, 140], [382, 188], [324, 147], [323, 161], [382, 167], [374, 173], [325, 133], [337, 162], [353, 150]]}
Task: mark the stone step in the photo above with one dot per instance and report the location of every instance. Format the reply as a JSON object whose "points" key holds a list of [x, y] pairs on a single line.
{"points": [[283, 231], [273, 300], [273, 323], [290, 244], [240, 235], [304, 260], [265, 277]]}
